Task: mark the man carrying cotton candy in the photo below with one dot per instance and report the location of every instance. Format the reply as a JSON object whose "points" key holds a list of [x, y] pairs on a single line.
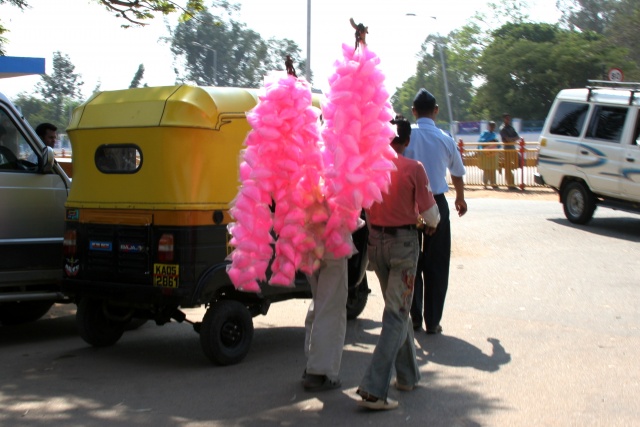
{"points": [[357, 165], [319, 189], [393, 254]]}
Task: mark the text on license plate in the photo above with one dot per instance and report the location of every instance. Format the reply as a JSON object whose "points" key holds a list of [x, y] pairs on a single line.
{"points": [[166, 275]]}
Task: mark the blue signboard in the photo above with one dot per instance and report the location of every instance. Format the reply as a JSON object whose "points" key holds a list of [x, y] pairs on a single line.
{"points": [[14, 66]]}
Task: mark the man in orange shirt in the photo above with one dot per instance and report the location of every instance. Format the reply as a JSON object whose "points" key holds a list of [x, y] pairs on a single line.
{"points": [[393, 254]]}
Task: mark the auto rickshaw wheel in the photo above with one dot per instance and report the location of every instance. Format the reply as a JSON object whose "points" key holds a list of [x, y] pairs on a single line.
{"points": [[226, 332], [357, 299], [95, 326]]}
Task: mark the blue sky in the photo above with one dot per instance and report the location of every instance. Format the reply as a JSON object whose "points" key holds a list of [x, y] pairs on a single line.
{"points": [[106, 54]]}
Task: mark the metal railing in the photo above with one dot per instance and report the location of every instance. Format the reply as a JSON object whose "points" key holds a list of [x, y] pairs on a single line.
{"points": [[509, 166]]}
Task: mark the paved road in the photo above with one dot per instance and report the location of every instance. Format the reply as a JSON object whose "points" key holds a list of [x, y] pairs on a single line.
{"points": [[541, 328]]}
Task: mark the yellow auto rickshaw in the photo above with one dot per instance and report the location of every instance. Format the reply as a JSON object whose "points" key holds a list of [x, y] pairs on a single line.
{"points": [[154, 172]]}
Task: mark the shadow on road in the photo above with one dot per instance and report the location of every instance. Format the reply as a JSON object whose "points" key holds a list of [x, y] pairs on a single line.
{"points": [[451, 351], [620, 228]]}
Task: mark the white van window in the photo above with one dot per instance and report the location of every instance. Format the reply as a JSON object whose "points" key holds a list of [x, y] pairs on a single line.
{"points": [[15, 151], [118, 158], [569, 118], [607, 123]]}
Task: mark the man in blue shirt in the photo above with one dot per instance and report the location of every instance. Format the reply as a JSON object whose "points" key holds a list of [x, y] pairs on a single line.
{"points": [[437, 151]]}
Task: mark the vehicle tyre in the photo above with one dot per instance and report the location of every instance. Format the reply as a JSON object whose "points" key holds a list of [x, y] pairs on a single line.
{"points": [[226, 332], [357, 299], [94, 325], [19, 312], [578, 202]]}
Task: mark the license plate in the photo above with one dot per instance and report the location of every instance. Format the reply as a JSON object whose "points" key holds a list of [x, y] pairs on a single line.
{"points": [[166, 275]]}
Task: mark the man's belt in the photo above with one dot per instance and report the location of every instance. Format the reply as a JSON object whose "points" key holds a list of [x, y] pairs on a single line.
{"points": [[394, 229]]}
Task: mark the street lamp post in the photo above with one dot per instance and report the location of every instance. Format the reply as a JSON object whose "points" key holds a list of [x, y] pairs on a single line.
{"points": [[446, 91], [446, 88], [446, 82], [215, 60], [307, 72]]}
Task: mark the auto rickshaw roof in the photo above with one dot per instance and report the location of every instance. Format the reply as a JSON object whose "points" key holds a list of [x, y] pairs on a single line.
{"points": [[181, 106]]}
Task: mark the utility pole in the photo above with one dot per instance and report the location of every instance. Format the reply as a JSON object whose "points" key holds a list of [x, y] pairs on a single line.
{"points": [[215, 60], [307, 71], [446, 88]]}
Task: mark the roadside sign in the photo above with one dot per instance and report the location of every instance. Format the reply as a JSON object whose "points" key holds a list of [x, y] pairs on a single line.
{"points": [[616, 75]]}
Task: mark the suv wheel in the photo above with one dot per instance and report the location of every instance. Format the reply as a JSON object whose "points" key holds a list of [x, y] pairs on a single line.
{"points": [[578, 202], [226, 332], [95, 326]]}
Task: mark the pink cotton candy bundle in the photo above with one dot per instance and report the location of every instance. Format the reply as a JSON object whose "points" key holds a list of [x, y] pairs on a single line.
{"points": [[282, 163], [357, 133]]}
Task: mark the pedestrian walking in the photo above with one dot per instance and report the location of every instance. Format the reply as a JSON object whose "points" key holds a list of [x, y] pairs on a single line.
{"points": [[437, 151], [393, 255]]}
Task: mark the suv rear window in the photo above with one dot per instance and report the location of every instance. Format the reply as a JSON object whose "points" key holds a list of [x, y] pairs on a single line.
{"points": [[569, 118], [607, 123]]}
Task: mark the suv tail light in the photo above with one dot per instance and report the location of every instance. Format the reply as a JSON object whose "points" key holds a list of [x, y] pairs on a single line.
{"points": [[69, 243], [165, 248]]}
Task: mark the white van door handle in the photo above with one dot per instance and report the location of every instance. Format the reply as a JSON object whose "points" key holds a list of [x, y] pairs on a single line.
{"points": [[585, 152], [631, 159]]}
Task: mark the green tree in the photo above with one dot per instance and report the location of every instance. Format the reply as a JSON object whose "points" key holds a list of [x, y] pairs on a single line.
{"points": [[617, 20], [137, 11], [61, 88], [527, 64], [429, 74], [624, 31], [137, 78], [34, 109], [462, 50], [220, 51], [587, 15]]}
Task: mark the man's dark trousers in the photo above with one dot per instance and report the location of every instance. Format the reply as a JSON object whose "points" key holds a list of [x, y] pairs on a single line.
{"points": [[433, 263]]}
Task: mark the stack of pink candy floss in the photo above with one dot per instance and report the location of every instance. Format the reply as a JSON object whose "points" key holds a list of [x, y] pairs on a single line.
{"points": [[318, 187]]}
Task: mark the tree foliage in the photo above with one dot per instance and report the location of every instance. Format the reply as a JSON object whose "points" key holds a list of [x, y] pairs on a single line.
{"points": [[429, 74], [217, 50], [617, 20], [136, 12], [521, 66], [60, 89], [624, 30], [137, 78], [527, 64], [587, 15]]}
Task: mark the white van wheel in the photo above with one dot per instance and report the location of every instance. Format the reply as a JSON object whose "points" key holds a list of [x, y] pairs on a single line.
{"points": [[578, 202]]}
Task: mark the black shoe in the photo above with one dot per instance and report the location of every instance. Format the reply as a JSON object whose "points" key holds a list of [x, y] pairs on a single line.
{"points": [[417, 326], [436, 330]]}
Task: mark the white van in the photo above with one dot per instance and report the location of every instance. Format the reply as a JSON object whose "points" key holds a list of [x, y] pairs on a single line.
{"points": [[589, 149], [33, 190]]}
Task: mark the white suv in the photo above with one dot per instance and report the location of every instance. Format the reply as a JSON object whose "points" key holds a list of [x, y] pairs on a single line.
{"points": [[589, 149]]}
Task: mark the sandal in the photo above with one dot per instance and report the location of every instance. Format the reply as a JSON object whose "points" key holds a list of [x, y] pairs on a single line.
{"points": [[371, 402], [314, 382]]}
